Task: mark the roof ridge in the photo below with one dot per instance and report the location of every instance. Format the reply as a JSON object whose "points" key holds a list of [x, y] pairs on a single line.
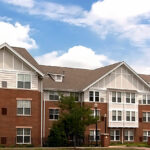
{"points": [[80, 68]]}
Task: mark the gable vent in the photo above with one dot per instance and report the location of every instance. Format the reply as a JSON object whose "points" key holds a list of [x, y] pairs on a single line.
{"points": [[4, 84]]}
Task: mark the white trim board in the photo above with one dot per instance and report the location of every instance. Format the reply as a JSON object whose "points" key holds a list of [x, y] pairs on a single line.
{"points": [[24, 60], [122, 63]]}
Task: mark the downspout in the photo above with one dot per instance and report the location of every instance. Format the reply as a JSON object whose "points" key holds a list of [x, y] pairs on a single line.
{"points": [[41, 86], [44, 120]]}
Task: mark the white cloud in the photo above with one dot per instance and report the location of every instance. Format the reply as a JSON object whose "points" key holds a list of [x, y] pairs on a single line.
{"points": [[16, 35], [22, 3], [5, 18], [119, 17], [56, 11], [77, 56]]}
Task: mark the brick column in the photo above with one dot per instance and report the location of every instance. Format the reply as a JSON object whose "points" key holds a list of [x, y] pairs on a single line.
{"points": [[105, 140], [148, 142]]}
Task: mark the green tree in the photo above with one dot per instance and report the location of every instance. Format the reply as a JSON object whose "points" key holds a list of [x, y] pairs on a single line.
{"points": [[72, 123]]}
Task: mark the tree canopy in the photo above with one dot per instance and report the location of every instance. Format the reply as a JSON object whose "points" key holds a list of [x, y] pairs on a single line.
{"points": [[72, 122]]}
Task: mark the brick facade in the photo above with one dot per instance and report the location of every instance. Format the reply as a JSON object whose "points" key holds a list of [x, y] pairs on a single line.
{"points": [[10, 121]]}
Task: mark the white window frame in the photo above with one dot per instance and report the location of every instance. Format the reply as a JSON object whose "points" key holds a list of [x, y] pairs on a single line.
{"points": [[130, 116], [54, 114], [23, 114], [54, 93], [24, 74], [76, 95], [128, 134], [116, 97], [147, 116], [117, 115], [94, 113], [130, 98], [23, 136], [58, 78], [94, 96], [147, 135], [94, 135], [114, 134], [146, 99]]}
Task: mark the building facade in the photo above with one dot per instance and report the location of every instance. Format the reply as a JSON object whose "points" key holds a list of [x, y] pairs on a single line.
{"points": [[29, 95]]}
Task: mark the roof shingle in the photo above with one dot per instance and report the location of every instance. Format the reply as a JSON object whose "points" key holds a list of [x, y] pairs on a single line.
{"points": [[74, 79]]}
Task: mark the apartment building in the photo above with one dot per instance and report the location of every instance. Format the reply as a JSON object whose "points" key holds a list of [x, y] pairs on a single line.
{"points": [[29, 95]]}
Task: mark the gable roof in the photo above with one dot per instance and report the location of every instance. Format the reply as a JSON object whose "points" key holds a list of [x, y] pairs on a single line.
{"points": [[74, 79], [24, 55], [145, 77]]}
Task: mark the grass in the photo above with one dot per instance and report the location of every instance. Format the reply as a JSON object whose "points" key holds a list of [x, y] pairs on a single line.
{"points": [[66, 149], [141, 144]]}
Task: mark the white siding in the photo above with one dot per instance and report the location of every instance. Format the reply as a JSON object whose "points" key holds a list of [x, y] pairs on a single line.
{"points": [[123, 79], [10, 66]]}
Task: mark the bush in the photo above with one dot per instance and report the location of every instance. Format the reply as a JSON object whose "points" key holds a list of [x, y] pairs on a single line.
{"points": [[2, 146], [116, 143], [57, 137]]}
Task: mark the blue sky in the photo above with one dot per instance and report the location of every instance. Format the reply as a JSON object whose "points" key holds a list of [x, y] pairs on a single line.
{"points": [[79, 33]]}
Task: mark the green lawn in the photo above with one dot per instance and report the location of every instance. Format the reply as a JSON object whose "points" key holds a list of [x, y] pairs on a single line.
{"points": [[66, 149]]}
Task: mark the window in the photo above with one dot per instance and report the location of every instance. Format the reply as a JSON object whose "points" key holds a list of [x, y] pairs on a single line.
{"points": [[113, 96], [93, 135], [23, 136], [119, 97], [3, 140], [58, 78], [133, 115], [113, 115], [116, 97], [91, 95], [24, 81], [94, 96], [53, 114], [130, 98], [116, 115], [119, 115], [127, 115], [129, 135], [75, 95], [23, 107], [96, 113], [127, 97], [146, 99], [130, 115], [146, 116], [53, 96], [115, 135], [146, 134], [4, 111]]}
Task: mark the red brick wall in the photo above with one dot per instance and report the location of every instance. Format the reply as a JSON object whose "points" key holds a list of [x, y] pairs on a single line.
{"points": [[9, 122], [138, 132], [101, 124], [142, 125], [48, 122]]}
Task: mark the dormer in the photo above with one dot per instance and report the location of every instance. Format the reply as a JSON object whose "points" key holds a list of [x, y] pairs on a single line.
{"points": [[56, 77]]}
